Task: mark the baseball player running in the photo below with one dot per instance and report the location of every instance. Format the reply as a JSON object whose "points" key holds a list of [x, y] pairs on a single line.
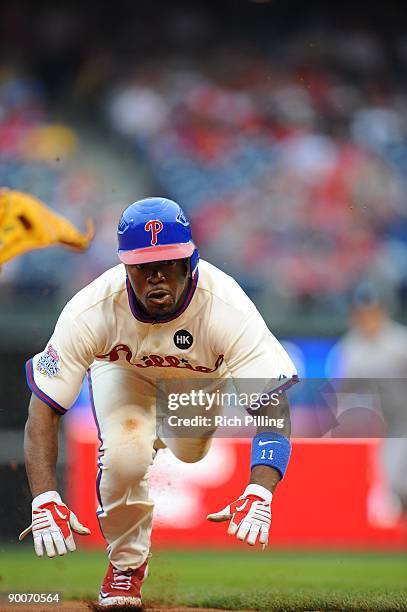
{"points": [[160, 314]]}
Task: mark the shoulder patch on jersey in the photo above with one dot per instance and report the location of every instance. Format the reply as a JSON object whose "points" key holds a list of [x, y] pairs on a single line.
{"points": [[49, 362]]}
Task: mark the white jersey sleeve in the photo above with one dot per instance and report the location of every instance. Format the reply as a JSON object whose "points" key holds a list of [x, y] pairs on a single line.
{"points": [[252, 352], [55, 376], [255, 352]]}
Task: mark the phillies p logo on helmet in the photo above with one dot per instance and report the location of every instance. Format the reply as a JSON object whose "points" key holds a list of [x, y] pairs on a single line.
{"points": [[155, 227]]}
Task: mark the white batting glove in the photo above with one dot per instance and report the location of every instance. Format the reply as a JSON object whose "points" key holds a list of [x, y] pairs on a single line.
{"points": [[52, 525], [250, 515]]}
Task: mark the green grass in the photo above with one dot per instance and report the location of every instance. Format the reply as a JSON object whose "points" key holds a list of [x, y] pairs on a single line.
{"points": [[246, 579]]}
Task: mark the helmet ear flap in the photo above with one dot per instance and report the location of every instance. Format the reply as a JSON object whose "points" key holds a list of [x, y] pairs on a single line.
{"points": [[194, 260]]}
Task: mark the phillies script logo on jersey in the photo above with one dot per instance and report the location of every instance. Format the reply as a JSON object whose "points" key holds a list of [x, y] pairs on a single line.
{"points": [[158, 361], [155, 227]]}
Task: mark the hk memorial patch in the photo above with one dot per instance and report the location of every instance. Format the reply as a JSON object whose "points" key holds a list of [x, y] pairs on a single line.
{"points": [[48, 363]]}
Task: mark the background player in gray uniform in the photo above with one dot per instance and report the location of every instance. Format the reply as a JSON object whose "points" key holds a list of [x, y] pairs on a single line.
{"points": [[375, 347]]}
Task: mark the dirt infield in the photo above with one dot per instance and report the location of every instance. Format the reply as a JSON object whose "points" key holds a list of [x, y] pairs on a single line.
{"points": [[87, 606]]}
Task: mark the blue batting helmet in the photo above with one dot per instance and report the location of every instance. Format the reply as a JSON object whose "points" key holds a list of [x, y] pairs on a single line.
{"points": [[155, 229]]}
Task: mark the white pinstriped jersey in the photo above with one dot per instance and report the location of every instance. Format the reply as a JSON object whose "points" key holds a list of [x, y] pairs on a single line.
{"points": [[217, 332]]}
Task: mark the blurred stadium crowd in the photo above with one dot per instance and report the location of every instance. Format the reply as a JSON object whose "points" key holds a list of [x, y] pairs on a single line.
{"points": [[295, 177], [289, 155], [38, 156]]}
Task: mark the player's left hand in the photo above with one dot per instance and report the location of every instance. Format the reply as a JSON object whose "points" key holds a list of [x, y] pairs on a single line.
{"points": [[250, 515]]}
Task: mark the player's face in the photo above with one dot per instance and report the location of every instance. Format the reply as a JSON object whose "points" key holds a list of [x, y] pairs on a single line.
{"points": [[159, 286], [369, 320]]}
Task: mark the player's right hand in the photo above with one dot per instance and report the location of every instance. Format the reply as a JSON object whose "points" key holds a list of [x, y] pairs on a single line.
{"points": [[52, 525]]}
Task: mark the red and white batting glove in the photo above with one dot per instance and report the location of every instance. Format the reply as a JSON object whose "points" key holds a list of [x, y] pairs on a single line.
{"points": [[52, 525], [250, 515]]}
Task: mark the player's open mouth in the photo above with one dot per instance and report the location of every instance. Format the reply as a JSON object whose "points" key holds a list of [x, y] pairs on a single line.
{"points": [[160, 297]]}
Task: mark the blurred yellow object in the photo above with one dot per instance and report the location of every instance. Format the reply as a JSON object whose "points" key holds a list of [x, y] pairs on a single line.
{"points": [[26, 224], [50, 143]]}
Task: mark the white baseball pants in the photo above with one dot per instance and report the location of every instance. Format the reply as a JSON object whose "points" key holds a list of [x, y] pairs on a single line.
{"points": [[124, 411]]}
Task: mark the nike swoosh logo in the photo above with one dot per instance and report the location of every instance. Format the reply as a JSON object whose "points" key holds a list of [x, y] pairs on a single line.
{"points": [[62, 516], [103, 595], [242, 507], [269, 442]]}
